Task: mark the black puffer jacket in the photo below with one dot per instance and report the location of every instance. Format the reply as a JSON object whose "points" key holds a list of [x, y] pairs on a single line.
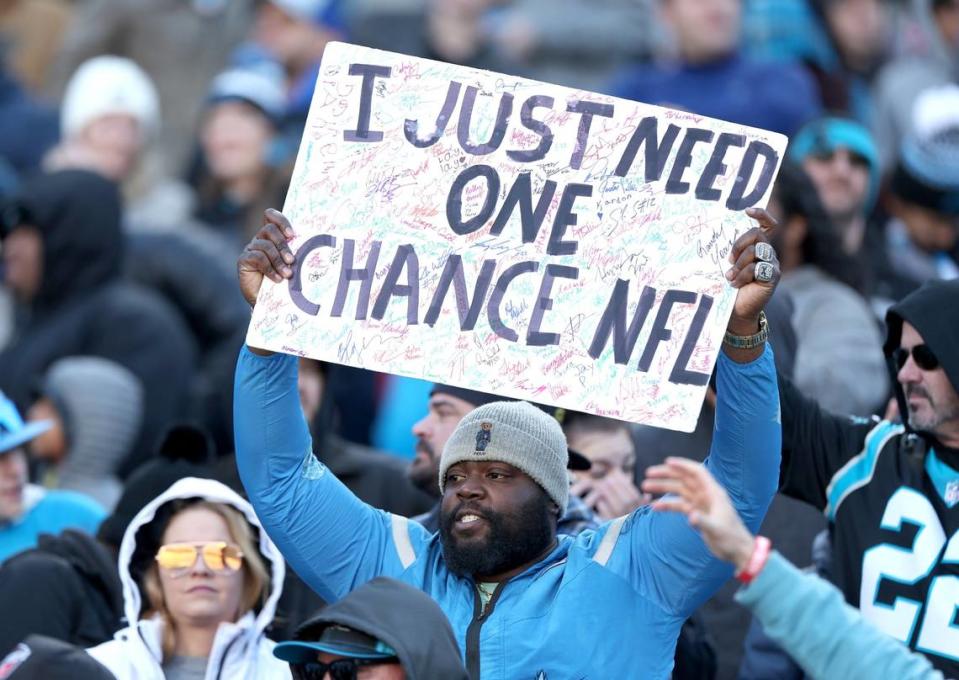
{"points": [[66, 588], [83, 307], [181, 268]]}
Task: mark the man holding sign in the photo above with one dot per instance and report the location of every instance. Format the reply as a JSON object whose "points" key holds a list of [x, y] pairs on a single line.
{"points": [[541, 244], [523, 602]]}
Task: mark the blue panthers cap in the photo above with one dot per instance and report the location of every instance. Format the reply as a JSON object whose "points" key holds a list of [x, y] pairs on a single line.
{"points": [[13, 431]]}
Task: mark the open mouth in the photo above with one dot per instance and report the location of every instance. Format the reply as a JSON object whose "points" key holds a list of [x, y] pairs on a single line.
{"points": [[469, 519]]}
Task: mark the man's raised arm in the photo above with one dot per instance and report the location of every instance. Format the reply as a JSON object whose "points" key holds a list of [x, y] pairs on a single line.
{"points": [[334, 541], [665, 556]]}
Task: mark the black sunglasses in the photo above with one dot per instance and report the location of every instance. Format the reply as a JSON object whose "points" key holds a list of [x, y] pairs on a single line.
{"points": [[341, 669], [921, 354]]}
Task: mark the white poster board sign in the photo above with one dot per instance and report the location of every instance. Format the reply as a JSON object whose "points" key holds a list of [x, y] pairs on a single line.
{"points": [[513, 237]]}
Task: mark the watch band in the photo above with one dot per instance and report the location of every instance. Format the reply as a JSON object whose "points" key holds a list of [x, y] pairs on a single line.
{"points": [[749, 341]]}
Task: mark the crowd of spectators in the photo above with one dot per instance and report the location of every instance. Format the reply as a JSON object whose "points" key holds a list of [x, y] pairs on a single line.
{"points": [[141, 142]]}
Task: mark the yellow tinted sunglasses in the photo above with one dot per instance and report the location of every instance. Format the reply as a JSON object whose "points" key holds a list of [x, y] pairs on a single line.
{"points": [[217, 555]]}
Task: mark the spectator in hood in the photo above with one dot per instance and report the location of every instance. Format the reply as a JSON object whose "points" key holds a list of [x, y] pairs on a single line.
{"points": [[27, 510], [43, 658], [109, 120], [95, 407], [68, 587], [201, 580], [242, 170], [62, 250], [180, 44], [861, 472], [384, 630], [710, 76]]}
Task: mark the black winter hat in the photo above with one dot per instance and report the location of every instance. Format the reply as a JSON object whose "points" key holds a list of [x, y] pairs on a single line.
{"points": [[186, 451]]}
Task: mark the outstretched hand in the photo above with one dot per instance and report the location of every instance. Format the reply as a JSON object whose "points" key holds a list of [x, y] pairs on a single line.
{"points": [[755, 277], [694, 492], [267, 254]]}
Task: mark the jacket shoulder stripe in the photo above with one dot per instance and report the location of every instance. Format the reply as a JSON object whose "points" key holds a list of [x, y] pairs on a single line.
{"points": [[401, 539], [859, 470], [606, 546]]}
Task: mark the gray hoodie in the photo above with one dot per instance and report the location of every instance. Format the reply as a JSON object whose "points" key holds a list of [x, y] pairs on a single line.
{"points": [[101, 404]]}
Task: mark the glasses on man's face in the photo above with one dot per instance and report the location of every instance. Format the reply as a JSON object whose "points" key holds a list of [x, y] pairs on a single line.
{"points": [[341, 669], [179, 558], [921, 354]]}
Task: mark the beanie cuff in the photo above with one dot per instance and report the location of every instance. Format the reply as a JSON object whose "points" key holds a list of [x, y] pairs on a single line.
{"points": [[542, 460]]}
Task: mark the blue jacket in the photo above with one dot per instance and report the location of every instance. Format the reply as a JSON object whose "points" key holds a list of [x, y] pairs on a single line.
{"points": [[48, 512], [773, 96], [607, 604], [810, 619]]}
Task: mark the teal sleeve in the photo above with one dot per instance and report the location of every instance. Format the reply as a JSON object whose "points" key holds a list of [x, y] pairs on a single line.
{"points": [[811, 621], [334, 541]]}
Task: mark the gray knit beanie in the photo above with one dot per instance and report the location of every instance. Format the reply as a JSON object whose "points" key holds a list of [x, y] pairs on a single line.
{"points": [[516, 433]]}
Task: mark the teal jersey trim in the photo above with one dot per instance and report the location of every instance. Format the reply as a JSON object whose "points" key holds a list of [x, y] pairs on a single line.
{"points": [[944, 478], [859, 470]]}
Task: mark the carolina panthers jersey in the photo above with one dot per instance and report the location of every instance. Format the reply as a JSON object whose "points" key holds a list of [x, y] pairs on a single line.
{"points": [[896, 543]]}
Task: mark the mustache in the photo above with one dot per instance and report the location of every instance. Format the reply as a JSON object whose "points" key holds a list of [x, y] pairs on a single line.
{"points": [[917, 391], [423, 447]]}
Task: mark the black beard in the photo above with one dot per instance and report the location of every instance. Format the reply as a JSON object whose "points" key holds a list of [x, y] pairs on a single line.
{"points": [[425, 477], [513, 539]]}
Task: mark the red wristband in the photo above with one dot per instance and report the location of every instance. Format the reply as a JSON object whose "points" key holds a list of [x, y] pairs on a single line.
{"points": [[761, 549]]}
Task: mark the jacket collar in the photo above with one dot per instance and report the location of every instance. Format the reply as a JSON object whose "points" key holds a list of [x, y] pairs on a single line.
{"points": [[149, 633]]}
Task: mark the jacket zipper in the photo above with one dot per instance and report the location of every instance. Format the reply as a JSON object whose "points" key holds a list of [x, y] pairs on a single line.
{"points": [[221, 662], [473, 631]]}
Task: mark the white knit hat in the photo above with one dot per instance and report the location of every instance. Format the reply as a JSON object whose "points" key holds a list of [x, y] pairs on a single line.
{"points": [[108, 85], [516, 433]]}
